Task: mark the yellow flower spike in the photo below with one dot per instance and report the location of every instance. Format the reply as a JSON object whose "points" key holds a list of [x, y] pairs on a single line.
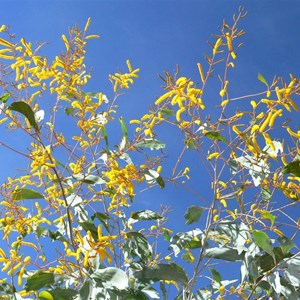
{"points": [[212, 155], [178, 113], [223, 201], [276, 114], [2, 253], [217, 45], [236, 130], [233, 55], [231, 214], [159, 169], [268, 140], [20, 276], [222, 93], [201, 72], [14, 268], [229, 41], [99, 230], [292, 103], [92, 36], [222, 290], [278, 94], [253, 104], [280, 233], [216, 217], [266, 122], [129, 65], [292, 133], [6, 43], [163, 97], [26, 259], [224, 103], [87, 25]]}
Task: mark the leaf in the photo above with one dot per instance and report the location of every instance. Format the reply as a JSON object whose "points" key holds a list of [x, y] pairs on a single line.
{"points": [[267, 215], [263, 241], [38, 280], [62, 294], [225, 253], [4, 98], [265, 194], [70, 111], [262, 79], [89, 179], [145, 215], [286, 244], [215, 274], [89, 226], [153, 176], [111, 278], [102, 218], [150, 143], [23, 108], [45, 295], [168, 112], [86, 290], [123, 127], [216, 136], [293, 167], [105, 137], [25, 194], [193, 214], [163, 272]]}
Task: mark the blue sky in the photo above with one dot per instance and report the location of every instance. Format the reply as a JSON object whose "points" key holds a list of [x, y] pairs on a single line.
{"points": [[156, 36]]}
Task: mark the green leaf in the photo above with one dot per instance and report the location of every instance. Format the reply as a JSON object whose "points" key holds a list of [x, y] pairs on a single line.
{"points": [[193, 214], [286, 244], [4, 98], [215, 274], [104, 131], [163, 272], [123, 127], [137, 246], [160, 182], [145, 215], [262, 79], [86, 290], [25, 194], [62, 294], [265, 194], [225, 253], [69, 111], [39, 280], [263, 241], [152, 177], [293, 167], [216, 136], [89, 179], [7, 288], [168, 112], [23, 108], [45, 295], [102, 218], [111, 278], [89, 226], [267, 215], [150, 143]]}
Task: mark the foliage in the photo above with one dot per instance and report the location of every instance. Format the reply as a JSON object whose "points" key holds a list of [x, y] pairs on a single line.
{"points": [[70, 222]]}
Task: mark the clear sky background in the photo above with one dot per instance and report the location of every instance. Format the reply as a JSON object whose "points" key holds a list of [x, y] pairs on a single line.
{"points": [[156, 36]]}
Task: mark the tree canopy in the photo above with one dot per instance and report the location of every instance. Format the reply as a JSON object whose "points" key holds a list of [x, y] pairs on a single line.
{"points": [[72, 222]]}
